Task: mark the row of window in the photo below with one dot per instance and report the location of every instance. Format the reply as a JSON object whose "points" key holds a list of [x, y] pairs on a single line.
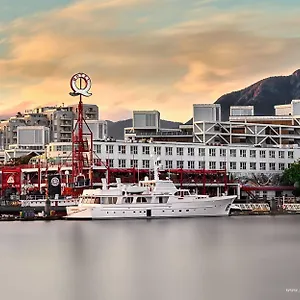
{"points": [[190, 151], [212, 165]]}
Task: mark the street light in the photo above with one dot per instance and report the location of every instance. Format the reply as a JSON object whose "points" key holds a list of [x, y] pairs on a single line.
{"points": [[67, 173]]}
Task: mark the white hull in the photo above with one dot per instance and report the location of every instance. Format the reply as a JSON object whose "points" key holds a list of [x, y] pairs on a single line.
{"points": [[214, 206]]}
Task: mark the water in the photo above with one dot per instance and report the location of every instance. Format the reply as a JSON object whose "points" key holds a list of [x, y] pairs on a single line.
{"points": [[190, 259]]}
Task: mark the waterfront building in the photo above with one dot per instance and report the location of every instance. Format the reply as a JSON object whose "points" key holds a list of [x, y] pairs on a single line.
{"points": [[248, 152]]}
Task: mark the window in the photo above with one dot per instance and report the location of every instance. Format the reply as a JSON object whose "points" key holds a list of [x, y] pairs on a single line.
{"points": [[253, 153], [222, 165], [122, 149], [281, 166], [232, 152], [222, 152], [262, 166], [169, 164], [146, 150], [179, 151], [122, 163], [191, 151], [232, 165], [97, 148], [146, 163], [243, 165], [272, 154], [281, 154], [169, 151], [291, 154], [253, 166], [201, 151], [262, 154], [110, 149], [179, 164], [191, 164], [133, 150], [243, 153], [133, 163], [201, 164], [110, 163], [212, 152], [289, 165], [272, 166], [157, 150], [150, 120], [212, 165]]}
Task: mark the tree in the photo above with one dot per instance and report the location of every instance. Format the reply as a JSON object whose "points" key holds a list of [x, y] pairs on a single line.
{"points": [[291, 175]]}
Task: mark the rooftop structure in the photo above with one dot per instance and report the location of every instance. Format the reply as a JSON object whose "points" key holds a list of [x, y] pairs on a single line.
{"points": [[241, 111], [147, 127], [207, 112]]}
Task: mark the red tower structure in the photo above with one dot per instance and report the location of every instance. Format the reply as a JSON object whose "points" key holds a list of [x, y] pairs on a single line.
{"points": [[82, 137]]}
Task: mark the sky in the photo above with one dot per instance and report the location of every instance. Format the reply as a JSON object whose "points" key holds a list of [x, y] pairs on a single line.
{"points": [[142, 54]]}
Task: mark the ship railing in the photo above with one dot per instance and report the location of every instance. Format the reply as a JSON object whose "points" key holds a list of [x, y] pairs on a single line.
{"points": [[292, 207], [53, 202], [259, 207]]}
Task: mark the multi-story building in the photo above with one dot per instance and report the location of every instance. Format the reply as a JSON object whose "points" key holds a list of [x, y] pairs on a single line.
{"points": [[29, 139], [244, 128], [90, 111], [59, 119], [147, 126]]}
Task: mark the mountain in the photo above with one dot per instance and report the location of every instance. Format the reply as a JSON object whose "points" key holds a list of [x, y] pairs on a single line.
{"points": [[263, 95], [116, 129]]}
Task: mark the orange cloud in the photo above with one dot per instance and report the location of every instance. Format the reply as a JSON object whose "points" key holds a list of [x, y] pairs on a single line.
{"points": [[167, 69]]}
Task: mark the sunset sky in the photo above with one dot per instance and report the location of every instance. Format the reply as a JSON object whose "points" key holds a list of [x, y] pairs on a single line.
{"points": [[142, 54]]}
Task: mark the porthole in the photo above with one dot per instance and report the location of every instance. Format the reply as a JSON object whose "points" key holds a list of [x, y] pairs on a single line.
{"points": [[179, 210], [187, 210]]}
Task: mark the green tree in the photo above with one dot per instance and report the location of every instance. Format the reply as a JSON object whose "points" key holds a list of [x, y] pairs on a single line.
{"points": [[291, 175]]}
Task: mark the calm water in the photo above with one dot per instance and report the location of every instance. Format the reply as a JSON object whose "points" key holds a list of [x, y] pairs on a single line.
{"points": [[203, 258]]}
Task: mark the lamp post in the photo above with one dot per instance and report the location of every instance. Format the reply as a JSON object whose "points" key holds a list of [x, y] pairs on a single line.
{"points": [[67, 173]]}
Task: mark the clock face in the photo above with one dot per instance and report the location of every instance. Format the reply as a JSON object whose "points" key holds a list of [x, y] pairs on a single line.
{"points": [[54, 181]]}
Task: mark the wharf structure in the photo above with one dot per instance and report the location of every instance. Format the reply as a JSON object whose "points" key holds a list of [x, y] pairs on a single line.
{"points": [[245, 155]]}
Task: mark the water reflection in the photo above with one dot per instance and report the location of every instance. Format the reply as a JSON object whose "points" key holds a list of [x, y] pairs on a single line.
{"points": [[203, 258]]}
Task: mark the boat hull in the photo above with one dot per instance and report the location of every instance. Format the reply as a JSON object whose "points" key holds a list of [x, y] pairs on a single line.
{"points": [[210, 207]]}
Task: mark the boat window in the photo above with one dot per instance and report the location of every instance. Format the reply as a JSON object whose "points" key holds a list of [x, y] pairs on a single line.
{"points": [[97, 200], [163, 199], [112, 200], [141, 200], [128, 199]]}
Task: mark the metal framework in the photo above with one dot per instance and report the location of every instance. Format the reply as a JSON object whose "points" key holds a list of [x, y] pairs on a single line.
{"points": [[82, 150], [227, 133]]}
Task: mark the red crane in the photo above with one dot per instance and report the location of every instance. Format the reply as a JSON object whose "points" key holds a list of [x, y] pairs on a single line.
{"points": [[82, 138]]}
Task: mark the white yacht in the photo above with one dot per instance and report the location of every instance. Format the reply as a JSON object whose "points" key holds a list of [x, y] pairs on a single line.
{"points": [[149, 199]]}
